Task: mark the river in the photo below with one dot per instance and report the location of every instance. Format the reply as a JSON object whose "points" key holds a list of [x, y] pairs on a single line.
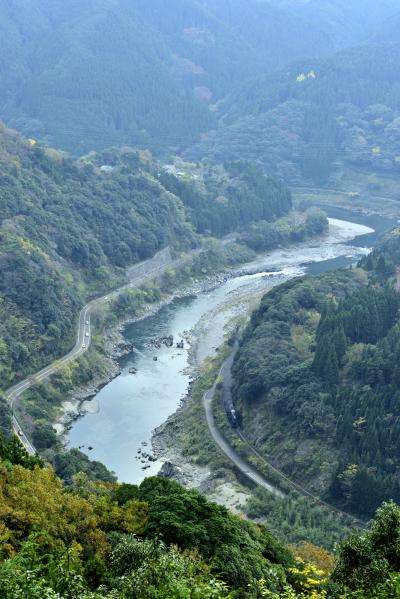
{"points": [[127, 410]]}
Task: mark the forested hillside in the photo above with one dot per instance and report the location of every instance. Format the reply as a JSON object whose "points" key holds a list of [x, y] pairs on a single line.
{"points": [[96, 74], [96, 540], [345, 23], [68, 230], [90, 75], [229, 197], [317, 379], [64, 229], [308, 120], [156, 540], [177, 125]]}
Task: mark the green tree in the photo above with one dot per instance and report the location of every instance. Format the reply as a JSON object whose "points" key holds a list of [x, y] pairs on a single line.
{"points": [[44, 435], [366, 561]]}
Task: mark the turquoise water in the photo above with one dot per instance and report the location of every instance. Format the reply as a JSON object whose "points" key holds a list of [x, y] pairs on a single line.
{"points": [[132, 405]]}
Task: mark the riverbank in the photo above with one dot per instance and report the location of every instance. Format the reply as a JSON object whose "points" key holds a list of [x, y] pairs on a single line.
{"points": [[183, 442], [170, 440], [81, 400], [233, 291]]}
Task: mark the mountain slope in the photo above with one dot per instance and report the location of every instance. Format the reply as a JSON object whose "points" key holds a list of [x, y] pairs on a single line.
{"points": [[345, 23], [92, 76], [68, 230], [302, 120], [132, 71], [316, 381]]}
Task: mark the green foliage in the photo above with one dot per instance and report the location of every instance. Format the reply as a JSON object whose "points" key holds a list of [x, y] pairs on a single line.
{"points": [[26, 578], [62, 223], [140, 73], [103, 540], [302, 119], [44, 435], [187, 518], [366, 562], [217, 257], [71, 541], [294, 518], [294, 228], [5, 419], [69, 463], [234, 196], [12, 451], [143, 569], [318, 369], [125, 492]]}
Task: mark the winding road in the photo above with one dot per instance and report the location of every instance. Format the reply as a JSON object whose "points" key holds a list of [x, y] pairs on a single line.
{"points": [[137, 275], [250, 472], [230, 453]]}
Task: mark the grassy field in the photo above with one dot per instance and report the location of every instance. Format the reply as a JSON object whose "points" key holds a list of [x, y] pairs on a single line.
{"points": [[355, 190]]}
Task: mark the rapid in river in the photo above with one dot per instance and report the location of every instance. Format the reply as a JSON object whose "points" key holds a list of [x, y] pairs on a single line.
{"points": [[129, 408]]}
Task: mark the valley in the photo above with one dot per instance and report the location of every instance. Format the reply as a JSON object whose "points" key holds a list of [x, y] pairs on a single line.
{"points": [[199, 299], [148, 397]]}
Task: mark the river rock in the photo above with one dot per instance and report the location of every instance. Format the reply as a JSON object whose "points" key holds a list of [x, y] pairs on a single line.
{"points": [[122, 349], [170, 470], [168, 341]]}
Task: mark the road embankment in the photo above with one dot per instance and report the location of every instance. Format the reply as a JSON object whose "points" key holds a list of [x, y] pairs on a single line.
{"points": [[137, 275]]}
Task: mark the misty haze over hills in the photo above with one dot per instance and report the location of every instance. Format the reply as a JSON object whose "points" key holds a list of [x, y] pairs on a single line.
{"points": [[87, 75], [199, 299]]}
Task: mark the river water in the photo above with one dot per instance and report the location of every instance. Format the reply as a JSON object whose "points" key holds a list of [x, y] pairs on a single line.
{"points": [[131, 406]]}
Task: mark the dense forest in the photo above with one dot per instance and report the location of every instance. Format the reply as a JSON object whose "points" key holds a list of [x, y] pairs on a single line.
{"points": [[263, 235], [316, 380], [137, 72], [230, 197], [68, 230], [145, 73], [92, 540], [307, 120]]}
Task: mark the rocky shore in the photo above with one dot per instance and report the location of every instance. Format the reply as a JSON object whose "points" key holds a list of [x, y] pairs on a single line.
{"points": [[217, 485], [81, 400]]}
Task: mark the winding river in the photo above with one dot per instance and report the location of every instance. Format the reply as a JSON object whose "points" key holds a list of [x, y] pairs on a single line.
{"points": [[126, 411]]}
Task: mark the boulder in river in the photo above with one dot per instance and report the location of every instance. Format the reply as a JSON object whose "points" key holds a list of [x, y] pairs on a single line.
{"points": [[168, 341], [172, 471]]}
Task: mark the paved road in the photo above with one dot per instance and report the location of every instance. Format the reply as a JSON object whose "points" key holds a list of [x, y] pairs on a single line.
{"points": [[137, 274], [239, 462], [242, 465]]}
